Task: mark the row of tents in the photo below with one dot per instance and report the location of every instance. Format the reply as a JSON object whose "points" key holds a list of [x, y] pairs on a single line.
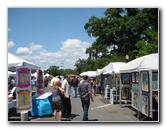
{"points": [[145, 62], [142, 63], [136, 82], [141, 93]]}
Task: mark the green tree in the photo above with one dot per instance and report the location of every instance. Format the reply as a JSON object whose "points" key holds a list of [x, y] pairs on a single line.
{"points": [[123, 30]]}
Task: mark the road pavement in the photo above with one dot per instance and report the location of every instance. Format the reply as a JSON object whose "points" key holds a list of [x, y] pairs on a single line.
{"points": [[101, 110]]}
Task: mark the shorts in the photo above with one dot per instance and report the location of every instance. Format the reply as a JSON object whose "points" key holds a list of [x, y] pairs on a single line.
{"points": [[57, 105]]}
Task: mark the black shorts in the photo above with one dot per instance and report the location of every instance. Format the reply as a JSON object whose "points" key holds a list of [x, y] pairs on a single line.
{"points": [[57, 105]]}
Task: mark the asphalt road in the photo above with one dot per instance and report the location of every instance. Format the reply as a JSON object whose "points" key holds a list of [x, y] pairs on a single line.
{"points": [[101, 110]]}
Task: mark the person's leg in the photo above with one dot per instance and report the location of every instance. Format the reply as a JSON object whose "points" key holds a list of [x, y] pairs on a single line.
{"points": [[68, 107], [76, 91], [64, 108], [85, 109], [55, 115], [82, 102], [73, 91], [60, 115]]}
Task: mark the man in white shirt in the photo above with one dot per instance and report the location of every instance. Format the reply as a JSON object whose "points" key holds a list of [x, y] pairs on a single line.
{"points": [[66, 102]]}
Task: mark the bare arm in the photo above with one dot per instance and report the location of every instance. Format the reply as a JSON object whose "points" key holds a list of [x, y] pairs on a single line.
{"points": [[90, 93], [61, 89], [91, 97]]}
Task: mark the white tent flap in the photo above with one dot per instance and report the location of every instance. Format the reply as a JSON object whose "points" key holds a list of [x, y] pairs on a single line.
{"points": [[142, 63], [14, 61], [112, 67], [89, 73]]}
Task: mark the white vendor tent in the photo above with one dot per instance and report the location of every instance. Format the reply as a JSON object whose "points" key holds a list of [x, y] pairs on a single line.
{"points": [[112, 67], [11, 74], [14, 61], [47, 75], [89, 73], [98, 71], [142, 85], [148, 62], [34, 74]]}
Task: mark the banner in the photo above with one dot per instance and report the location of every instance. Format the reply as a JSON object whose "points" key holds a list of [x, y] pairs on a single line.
{"points": [[23, 88]]}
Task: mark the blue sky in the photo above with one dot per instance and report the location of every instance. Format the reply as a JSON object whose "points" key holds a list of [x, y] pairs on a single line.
{"points": [[50, 36]]}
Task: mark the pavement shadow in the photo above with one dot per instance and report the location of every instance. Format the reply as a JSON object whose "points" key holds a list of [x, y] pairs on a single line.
{"points": [[66, 119], [74, 115], [93, 120], [45, 116], [69, 119], [104, 101]]}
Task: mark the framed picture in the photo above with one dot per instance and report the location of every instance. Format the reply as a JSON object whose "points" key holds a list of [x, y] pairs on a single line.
{"points": [[135, 100], [24, 100], [155, 81], [125, 93], [135, 77], [145, 81], [145, 104], [125, 78], [23, 77]]}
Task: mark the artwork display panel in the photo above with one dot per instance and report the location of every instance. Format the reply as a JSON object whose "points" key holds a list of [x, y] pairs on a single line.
{"points": [[135, 100], [23, 80], [125, 78], [145, 104], [135, 77], [23, 90], [145, 81], [125, 93], [24, 100], [155, 81]]}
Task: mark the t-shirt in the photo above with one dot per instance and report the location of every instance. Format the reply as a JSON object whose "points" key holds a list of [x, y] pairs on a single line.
{"points": [[85, 90], [75, 82], [33, 82], [55, 94], [66, 87]]}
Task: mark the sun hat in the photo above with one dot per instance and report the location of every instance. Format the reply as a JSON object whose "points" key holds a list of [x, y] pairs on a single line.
{"points": [[54, 81]]}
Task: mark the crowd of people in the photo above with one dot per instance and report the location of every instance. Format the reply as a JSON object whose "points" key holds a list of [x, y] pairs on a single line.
{"points": [[11, 86], [61, 93], [62, 89]]}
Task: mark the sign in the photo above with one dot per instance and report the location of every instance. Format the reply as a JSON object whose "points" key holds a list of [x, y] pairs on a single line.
{"points": [[23, 77], [23, 88]]}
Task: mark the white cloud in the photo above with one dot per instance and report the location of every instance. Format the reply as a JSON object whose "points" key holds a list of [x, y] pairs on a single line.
{"points": [[23, 50], [70, 51], [35, 47], [74, 47], [11, 44]]}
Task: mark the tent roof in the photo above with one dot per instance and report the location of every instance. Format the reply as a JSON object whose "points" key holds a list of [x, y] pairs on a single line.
{"points": [[112, 67], [11, 74], [14, 61], [142, 63], [89, 73], [47, 75]]}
